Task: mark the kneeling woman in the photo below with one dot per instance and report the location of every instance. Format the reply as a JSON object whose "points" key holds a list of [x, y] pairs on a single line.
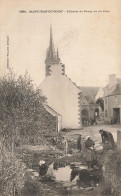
{"points": [[42, 168]]}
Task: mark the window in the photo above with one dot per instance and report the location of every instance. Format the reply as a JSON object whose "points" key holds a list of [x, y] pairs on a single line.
{"points": [[106, 113]]}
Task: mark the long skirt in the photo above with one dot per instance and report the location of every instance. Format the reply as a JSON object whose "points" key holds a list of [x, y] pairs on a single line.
{"points": [[89, 155]]}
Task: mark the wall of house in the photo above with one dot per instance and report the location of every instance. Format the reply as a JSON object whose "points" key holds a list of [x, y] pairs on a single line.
{"points": [[56, 115], [48, 123], [63, 96], [111, 102], [119, 140], [59, 123]]}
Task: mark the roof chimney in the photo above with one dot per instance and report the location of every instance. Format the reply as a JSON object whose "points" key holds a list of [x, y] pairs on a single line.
{"points": [[112, 79]]}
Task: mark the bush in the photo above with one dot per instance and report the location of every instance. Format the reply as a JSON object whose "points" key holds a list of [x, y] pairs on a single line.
{"points": [[22, 119], [112, 172], [101, 102], [12, 174], [21, 108], [32, 188]]}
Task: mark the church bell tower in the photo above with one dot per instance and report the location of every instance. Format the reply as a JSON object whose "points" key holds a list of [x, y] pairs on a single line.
{"points": [[52, 57]]}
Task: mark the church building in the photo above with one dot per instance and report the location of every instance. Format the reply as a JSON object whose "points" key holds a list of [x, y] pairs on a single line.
{"points": [[63, 96]]}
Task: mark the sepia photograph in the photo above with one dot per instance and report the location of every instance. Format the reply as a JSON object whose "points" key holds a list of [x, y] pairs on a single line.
{"points": [[60, 98]]}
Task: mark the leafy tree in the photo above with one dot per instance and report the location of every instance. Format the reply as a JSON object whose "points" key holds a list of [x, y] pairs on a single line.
{"points": [[21, 107], [112, 172], [101, 102], [12, 174], [21, 114]]}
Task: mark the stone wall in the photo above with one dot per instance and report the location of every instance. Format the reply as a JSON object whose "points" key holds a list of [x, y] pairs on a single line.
{"points": [[119, 140], [110, 103], [48, 123]]}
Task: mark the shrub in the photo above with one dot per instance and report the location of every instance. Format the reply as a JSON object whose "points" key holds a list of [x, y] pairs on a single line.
{"points": [[112, 172], [101, 102], [32, 187], [12, 174], [21, 108]]}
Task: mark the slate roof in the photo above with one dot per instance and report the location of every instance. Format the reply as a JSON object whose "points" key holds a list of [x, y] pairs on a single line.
{"points": [[113, 90], [50, 110], [84, 101], [89, 92]]}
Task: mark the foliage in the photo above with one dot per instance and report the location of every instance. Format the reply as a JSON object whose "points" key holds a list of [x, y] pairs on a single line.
{"points": [[21, 116], [112, 172], [32, 187], [20, 107], [101, 102], [12, 174]]}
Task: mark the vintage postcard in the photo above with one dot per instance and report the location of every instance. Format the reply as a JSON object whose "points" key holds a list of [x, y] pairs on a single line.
{"points": [[60, 97]]}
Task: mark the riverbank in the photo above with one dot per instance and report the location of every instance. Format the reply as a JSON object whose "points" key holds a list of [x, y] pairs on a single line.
{"points": [[31, 155]]}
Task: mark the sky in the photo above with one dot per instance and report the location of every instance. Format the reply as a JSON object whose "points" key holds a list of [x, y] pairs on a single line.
{"points": [[87, 34]]}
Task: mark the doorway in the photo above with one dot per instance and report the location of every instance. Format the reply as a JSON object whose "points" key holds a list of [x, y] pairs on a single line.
{"points": [[116, 115], [96, 113]]}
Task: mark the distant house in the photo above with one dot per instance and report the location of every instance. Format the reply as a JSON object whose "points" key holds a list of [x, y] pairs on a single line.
{"points": [[85, 109], [89, 108], [89, 92], [56, 115], [112, 100]]}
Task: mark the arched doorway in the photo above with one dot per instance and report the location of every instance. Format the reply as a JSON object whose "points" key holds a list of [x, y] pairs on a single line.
{"points": [[96, 113], [85, 117]]}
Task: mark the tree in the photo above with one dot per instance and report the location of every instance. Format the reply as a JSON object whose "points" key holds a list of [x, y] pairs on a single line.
{"points": [[112, 172], [21, 106], [13, 176], [21, 114], [101, 102]]}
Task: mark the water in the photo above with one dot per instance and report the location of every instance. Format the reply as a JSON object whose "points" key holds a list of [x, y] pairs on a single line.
{"points": [[63, 173]]}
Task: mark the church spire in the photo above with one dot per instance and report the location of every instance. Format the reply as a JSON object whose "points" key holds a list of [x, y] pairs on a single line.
{"points": [[51, 48], [57, 57], [52, 57]]}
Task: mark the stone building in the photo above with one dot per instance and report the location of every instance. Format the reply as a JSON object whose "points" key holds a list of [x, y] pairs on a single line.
{"points": [[89, 92], [112, 100], [89, 108], [63, 96], [57, 120]]}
